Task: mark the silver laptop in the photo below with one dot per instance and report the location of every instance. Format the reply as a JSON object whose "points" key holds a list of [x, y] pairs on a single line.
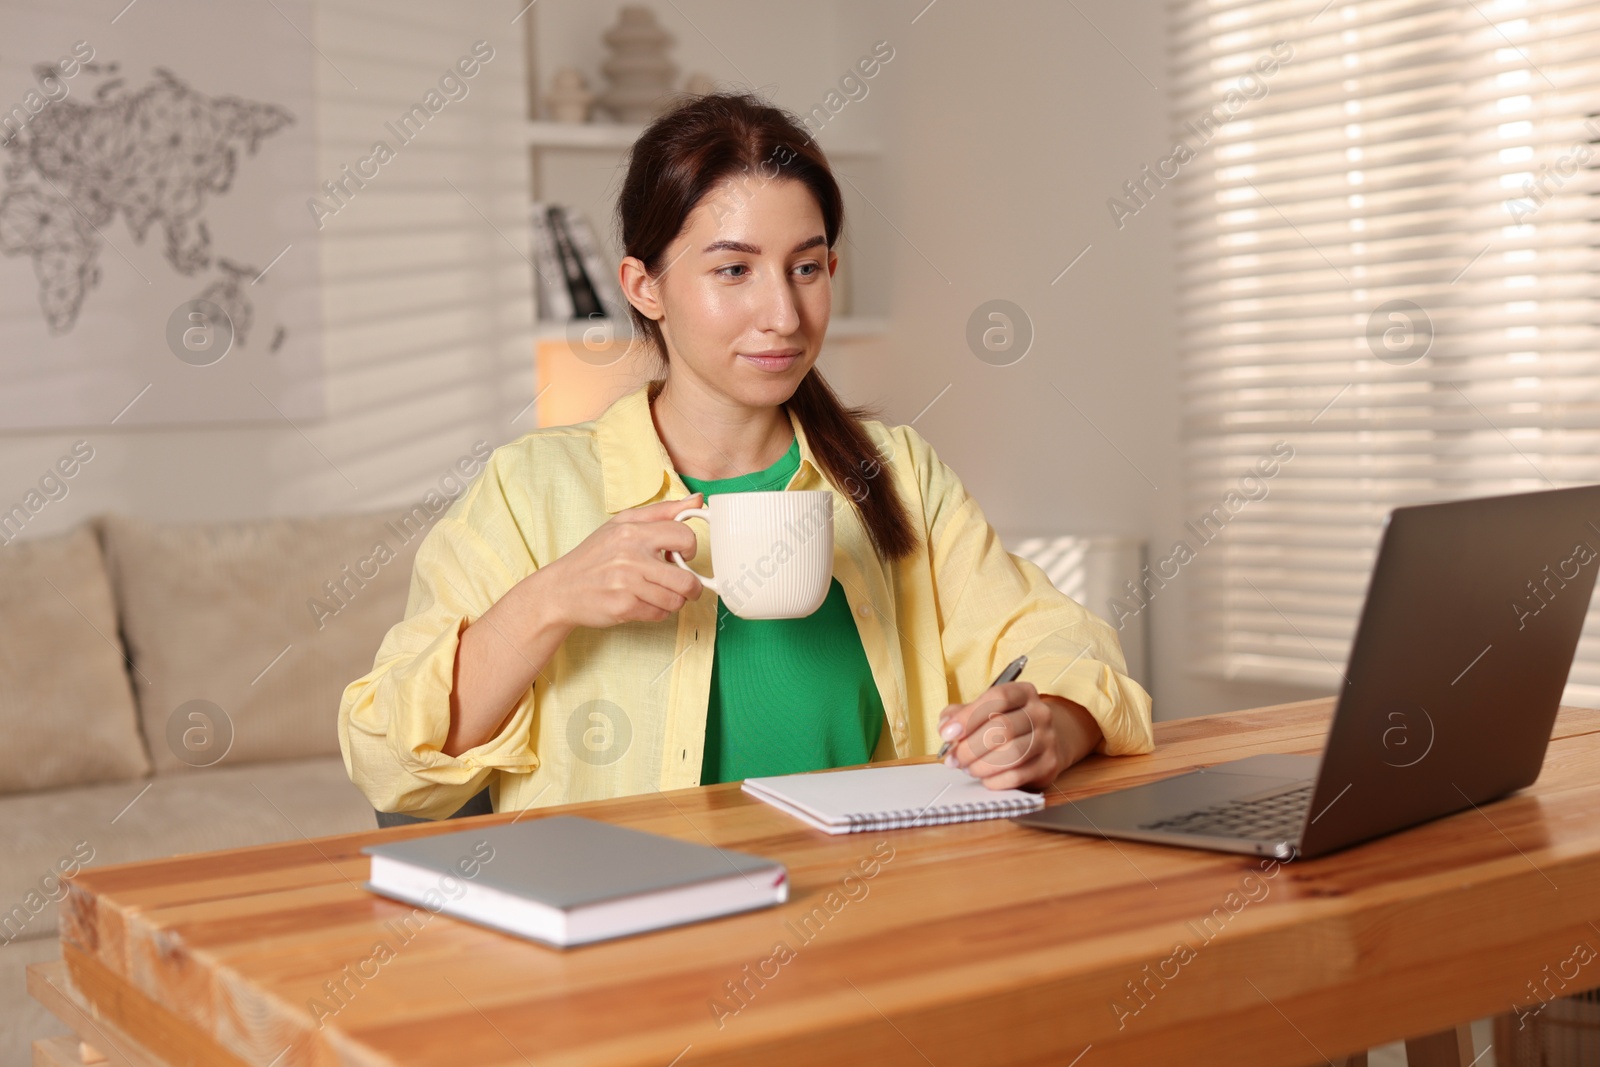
{"points": [[1472, 616]]}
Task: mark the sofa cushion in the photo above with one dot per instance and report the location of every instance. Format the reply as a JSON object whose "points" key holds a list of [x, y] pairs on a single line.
{"points": [[245, 634], [59, 831], [65, 709]]}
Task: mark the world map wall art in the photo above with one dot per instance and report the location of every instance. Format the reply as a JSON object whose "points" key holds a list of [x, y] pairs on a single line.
{"points": [[157, 261]]}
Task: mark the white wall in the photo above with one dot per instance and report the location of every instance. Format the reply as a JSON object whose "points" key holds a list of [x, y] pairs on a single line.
{"points": [[426, 306]]}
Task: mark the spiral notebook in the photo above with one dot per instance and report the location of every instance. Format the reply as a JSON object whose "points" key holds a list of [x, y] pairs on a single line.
{"points": [[889, 798]]}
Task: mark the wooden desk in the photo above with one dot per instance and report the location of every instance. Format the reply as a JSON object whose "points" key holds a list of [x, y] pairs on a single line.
{"points": [[982, 943]]}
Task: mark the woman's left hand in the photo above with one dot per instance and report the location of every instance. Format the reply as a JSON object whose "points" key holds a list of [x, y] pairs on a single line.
{"points": [[1017, 738]]}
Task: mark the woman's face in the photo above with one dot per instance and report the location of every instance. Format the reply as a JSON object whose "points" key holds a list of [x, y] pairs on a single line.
{"points": [[744, 298]]}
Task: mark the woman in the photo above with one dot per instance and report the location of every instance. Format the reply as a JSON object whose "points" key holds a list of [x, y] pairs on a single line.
{"points": [[551, 650]]}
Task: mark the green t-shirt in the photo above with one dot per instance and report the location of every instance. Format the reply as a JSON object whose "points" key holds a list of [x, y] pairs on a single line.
{"points": [[787, 695]]}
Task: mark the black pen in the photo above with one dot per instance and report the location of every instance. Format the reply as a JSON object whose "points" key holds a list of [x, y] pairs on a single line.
{"points": [[1007, 675]]}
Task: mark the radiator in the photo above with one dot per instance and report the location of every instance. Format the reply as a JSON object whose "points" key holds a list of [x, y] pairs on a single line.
{"points": [[1094, 571]]}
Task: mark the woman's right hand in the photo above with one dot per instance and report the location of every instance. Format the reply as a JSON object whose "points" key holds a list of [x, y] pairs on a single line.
{"points": [[618, 573]]}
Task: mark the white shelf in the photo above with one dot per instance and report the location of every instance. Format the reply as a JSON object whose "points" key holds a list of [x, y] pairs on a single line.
{"points": [[581, 134], [616, 136], [840, 328]]}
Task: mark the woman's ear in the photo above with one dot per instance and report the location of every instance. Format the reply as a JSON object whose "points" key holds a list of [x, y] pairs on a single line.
{"points": [[641, 290], [833, 262]]}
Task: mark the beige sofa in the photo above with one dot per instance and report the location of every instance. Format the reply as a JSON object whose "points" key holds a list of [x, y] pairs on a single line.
{"points": [[170, 688]]}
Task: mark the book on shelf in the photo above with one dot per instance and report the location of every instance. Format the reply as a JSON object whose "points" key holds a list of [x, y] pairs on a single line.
{"points": [[596, 266], [575, 280], [585, 301], [555, 302]]}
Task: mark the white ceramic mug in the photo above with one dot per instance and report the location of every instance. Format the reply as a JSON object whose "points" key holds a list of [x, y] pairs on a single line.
{"points": [[771, 552]]}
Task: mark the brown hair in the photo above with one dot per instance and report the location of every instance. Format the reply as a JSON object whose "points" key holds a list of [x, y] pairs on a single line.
{"points": [[676, 161]]}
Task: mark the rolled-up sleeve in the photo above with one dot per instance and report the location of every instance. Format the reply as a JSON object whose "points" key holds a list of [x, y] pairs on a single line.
{"points": [[394, 720], [995, 606]]}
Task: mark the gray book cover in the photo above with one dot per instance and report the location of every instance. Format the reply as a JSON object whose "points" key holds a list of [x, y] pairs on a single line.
{"points": [[567, 861]]}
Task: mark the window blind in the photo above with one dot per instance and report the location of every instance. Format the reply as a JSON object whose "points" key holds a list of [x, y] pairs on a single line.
{"points": [[1386, 245]]}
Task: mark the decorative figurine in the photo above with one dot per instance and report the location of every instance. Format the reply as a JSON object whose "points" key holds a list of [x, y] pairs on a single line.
{"points": [[638, 71], [569, 97]]}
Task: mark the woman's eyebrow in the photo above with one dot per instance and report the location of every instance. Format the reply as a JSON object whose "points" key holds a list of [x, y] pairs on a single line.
{"points": [[752, 250]]}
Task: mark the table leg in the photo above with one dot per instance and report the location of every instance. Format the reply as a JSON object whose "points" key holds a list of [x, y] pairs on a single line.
{"points": [[96, 1040], [1447, 1048]]}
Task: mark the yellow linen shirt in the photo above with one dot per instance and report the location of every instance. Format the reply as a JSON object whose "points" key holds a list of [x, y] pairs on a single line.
{"points": [[622, 709]]}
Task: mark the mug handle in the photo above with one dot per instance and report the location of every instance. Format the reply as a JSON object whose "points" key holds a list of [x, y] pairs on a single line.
{"points": [[706, 580]]}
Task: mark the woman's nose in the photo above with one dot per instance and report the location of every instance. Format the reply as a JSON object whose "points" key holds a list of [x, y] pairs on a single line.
{"points": [[778, 310]]}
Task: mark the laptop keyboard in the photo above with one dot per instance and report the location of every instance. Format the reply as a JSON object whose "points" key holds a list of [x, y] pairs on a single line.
{"points": [[1277, 817]]}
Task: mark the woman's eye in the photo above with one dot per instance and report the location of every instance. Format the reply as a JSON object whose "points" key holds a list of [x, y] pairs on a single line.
{"points": [[808, 270]]}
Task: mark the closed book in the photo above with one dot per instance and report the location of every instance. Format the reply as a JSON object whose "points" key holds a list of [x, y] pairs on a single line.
{"points": [[565, 880], [595, 265], [585, 302], [889, 798], [555, 303]]}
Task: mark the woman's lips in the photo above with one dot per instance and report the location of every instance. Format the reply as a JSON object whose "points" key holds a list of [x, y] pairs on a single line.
{"points": [[771, 362]]}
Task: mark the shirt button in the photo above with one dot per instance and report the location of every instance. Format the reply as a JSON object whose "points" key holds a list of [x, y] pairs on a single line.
{"points": [[863, 609]]}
